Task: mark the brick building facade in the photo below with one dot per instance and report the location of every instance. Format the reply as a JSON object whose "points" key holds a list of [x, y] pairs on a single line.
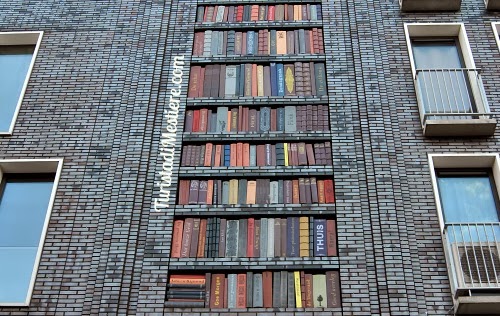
{"points": [[96, 98]]}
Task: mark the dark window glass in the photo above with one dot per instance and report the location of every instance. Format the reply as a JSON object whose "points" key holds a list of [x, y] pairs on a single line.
{"points": [[23, 208], [14, 65]]}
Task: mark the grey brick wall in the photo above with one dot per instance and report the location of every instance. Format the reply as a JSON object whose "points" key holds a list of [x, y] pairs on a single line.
{"points": [[96, 98]]}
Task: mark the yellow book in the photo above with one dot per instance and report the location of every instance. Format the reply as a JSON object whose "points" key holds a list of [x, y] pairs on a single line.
{"points": [[298, 291], [286, 153], [304, 236], [260, 81], [233, 191]]}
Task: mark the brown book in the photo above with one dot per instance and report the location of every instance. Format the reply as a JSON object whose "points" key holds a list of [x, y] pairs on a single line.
{"points": [[239, 154], [183, 192], [320, 42], [222, 238], [318, 154], [244, 43], [267, 288], [310, 155], [254, 80], [246, 155], [218, 154], [194, 82], [217, 291], [274, 120], [302, 191], [177, 239], [299, 78], [202, 237], [210, 192], [186, 237], [208, 155], [194, 188], [306, 78], [193, 249], [203, 191], [261, 155], [301, 154], [251, 192], [295, 154], [314, 191], [331, 237], [241, 291], [233, 156], [238, 40], [250, 238], [295, 192], [240, 118], [304, 236], [328, 154], [333, 289], [321, 192], [307, 186], [267, 81], [308, 281], [284, 239], [329, 191], [199, 38]]}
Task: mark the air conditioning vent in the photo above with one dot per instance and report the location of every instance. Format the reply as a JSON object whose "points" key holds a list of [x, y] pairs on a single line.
{"points": [[477, 265]]}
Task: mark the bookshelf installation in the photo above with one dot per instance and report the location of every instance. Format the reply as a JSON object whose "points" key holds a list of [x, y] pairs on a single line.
{"points": [[255, 222]]}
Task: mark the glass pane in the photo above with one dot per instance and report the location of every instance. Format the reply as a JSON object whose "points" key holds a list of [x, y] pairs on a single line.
{"points": [[14, 65], [467, 199], [436, 54], [16, 267], [23, 207]]}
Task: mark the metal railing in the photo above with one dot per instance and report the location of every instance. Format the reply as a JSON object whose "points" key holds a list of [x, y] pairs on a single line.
{"points": [[451, 94], [474, 252]]}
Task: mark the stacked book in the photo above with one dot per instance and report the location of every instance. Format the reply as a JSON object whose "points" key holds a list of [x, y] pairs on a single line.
{"points": [[254, 237], [247, 155], [292, 289], [259, 12], [259, 191], [260, 42], [287, 119], [256, 80]]}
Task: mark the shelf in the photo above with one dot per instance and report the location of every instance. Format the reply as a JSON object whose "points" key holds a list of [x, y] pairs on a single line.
{"points": [[189, 137], [228, 59], [254, 209], [256, 25], [256, 101], [233, 2], [256, 264], [255, 171]]}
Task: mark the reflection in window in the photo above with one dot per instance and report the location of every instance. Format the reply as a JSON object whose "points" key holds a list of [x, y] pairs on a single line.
{"points": [[14, 65], [24, 202]]}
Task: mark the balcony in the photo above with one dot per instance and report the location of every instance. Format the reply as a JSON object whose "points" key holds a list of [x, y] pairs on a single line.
{"points": [[473, 256], [493, 5], [429, 5], [452, 102]]}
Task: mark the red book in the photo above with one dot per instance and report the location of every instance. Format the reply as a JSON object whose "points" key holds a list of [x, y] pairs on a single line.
{"points": [[250, 237], [246, 155], [239, 154], [177, 239], [196, 121], [321, 191], [270, 13], [210, 192], [273, 120], [309, 290], [331, 237], [198, 44], [239, 14], [183, 192], [329, 192], [261, 155], [241, 291], [208, 155], [202, 237], [254, 14], [295, 192], [217, 289], [233, 156], [267, 288], [194, 82], [186, 237], [187, 279], [203, 120], [218, 153]]}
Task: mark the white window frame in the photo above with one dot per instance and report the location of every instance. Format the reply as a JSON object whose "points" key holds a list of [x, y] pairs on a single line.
{"points": [[21, 38], [496, 31], [33, 166]]}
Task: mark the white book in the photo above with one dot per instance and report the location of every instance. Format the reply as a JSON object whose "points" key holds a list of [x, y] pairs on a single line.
{"points": [[270, 237], [273, 197], [220, 14], [221, 119], [290, 119], [232, 290], [207, 43], [230, 89]]}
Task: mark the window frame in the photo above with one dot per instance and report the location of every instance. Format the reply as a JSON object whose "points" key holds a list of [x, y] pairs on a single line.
{"points": [[34, 166], [21, 38], [496, 32]]}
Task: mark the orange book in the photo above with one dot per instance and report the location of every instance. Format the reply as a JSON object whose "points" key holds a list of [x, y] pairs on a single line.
{"points": [[311, 42], [187, 279], [297, 12], [228, 129], [254, 15], [331, 237], [251, 192], [308, 290], [217, 289], [321, 191], [281, 42], [194, 79], [233, 157], [239, 154], [241, 290], [208, 155], [202, 237], [218, 153], [210, 192], [203, 120], [254, 80], [177, 239], [246, 155], [295, 192], [329, 192]]}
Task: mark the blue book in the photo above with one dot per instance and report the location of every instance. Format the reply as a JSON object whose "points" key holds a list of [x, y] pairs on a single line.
{"points": [[319, 13], [274, 82], [227, 155], [280, 126], [250, 42], [272, 42], [319, 239], [280, 79]]}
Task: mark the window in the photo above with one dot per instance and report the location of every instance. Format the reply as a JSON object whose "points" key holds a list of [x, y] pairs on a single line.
{"points": [[466, 192], [27, 189], [448, 87], [17, 55], [429, 5], [496, 31]]}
